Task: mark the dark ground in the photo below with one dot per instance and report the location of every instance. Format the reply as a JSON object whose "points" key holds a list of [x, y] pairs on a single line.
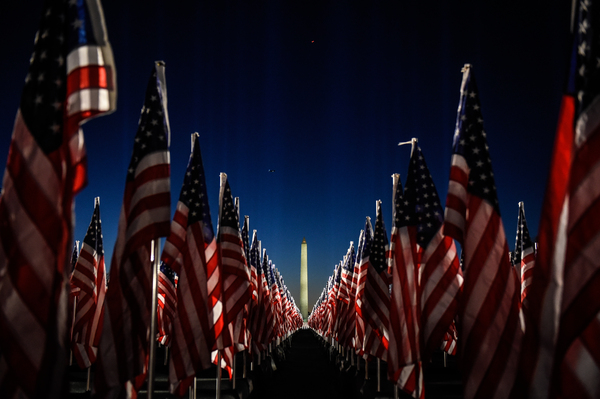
{"points": [[302, 367]]}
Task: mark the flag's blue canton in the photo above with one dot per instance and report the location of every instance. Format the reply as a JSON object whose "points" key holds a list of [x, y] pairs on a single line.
{"points": [[81, 24], [399, 217], [523, 238], [368, 239], [470, 142], [74, 257], [229, 217], [338, 274], [194, 195], [246, 240], [168, 272], [152, 133], [93, 237], [350, 260], [255, 254], [380, 242], [424, 210], [43, 96], [587, 79], [268, 266], [265, 267]]}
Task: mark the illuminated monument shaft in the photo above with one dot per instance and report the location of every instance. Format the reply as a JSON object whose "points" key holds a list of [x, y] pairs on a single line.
{"points": [[303, 280]]}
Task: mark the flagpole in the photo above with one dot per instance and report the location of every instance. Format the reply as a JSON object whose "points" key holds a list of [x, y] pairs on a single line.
{"points": [[154, 258], [378, 375], [73, 318], [218, 393], [89, 377]]}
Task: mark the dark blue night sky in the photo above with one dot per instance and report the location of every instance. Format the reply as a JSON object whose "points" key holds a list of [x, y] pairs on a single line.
{"points": [[321, 92]]}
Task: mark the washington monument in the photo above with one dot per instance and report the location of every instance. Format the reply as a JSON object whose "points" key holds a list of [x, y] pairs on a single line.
{"points": [[304, 280]]}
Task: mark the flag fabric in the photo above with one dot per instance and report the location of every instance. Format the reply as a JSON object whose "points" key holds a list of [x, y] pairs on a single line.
{"points": [[360, 271], [561, 357], [90, 277], [73, 291], [524, 254], [449, 342], [404, 359], [346, 297], [145, 214], [191, 251], [489, 335], [167, 303], [269, 326], [71, 78], [235, 275], [257, 313], [376, 295], [440, 277]]}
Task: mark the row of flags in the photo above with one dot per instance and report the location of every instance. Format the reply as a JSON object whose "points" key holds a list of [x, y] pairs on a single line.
{"points": [[524, 324], [524, 331], [215, 295]]}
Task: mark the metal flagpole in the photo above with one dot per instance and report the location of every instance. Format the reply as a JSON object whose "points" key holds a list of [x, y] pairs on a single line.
{"points": [[234, 372], [154, 258], [73, 319], [244, 370], [89, 377], [378, 375], [218, 374]]}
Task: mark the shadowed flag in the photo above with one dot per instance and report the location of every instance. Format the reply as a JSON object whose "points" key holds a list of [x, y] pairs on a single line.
{"points": [[71, 78], [145, 214], [489, 335], [90, 277]]}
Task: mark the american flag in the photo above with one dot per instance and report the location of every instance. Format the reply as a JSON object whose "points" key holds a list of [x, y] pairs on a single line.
{"points": [[257, 313], [450, 340], [269, 324], [524, 254], [404, 359], [73, 290], [71, 78], [488, 315], [346, 298], [331, 306], [191, 251], [90, 277], [440, 277], [145, 214], [275, 300], [167, 303], [235, 275], [376, 295], [561, 339], [360, 273]]}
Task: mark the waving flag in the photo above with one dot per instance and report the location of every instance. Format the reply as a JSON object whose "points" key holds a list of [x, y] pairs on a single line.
{"points": [[269, 324], [360, 271], [167, 303], [562, 359], [71, 78], [90, 277], [524, 255], [489, 333], [376, 295], [440, 276], [145, 214], [191, 251], [346, 296], [404, 359], [235, 275]]}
